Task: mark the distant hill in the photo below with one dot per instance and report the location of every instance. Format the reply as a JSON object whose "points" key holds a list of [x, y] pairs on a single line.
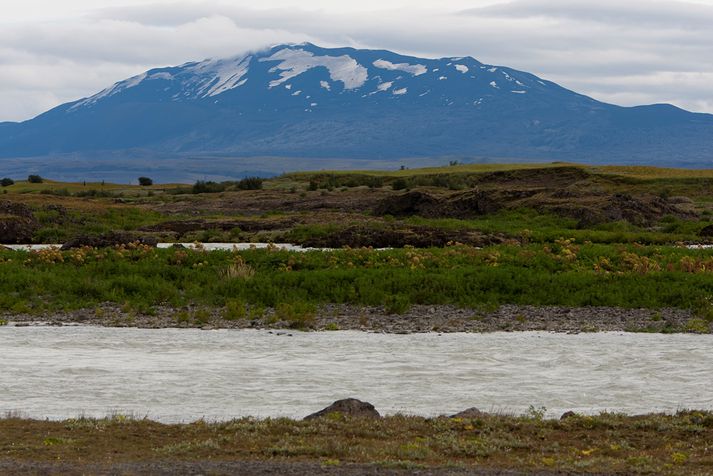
{"points": [[329, 108]]}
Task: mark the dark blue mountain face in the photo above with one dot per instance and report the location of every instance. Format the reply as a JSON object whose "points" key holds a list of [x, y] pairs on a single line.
{"points": [[306, 102]]}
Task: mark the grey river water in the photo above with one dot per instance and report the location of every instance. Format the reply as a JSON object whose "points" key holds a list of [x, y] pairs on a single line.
{"points": [[181, 375]]}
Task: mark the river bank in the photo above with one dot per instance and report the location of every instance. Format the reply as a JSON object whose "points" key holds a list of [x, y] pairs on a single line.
{"points": [[342, 445], [415, 319]]}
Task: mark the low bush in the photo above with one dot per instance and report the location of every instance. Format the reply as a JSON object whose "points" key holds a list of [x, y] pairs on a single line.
{"points": [[250, 183]]}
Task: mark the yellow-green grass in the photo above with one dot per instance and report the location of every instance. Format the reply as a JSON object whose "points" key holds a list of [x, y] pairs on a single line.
{"points": [[639, 172], [645, 172], [463, 168], [604, 444], [23, 186]]}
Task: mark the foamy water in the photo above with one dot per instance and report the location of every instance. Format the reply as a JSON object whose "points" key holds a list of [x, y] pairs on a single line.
{"points": [[204, 246], [182, 375]]}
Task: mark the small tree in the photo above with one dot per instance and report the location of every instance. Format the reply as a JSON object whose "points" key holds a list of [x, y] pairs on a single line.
{"points": [[34, 179], [6, 182], [145, 181]]}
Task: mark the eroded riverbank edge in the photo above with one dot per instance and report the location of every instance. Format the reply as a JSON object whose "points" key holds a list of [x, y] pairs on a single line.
{"points": [[417, 319]]}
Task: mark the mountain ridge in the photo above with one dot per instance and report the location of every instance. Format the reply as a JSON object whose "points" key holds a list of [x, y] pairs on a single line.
{"points": [[304, 102]]}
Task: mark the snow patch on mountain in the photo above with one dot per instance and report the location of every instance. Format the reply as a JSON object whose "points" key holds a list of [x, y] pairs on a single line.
{"points": [[161, 75], [462, 68], [220, 76], [294, 62], [415, 69], [400, 92], [111, 91]]}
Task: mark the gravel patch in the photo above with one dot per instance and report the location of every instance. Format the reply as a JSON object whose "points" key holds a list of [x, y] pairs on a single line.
{"points": [[417, 319]]}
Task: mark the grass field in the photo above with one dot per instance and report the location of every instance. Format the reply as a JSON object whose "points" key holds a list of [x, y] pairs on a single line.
{"points": [[564, 273], [639, 172], [604, 444]]}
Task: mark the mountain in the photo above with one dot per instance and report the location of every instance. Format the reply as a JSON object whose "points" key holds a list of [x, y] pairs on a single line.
{"points": [[319, 106]]}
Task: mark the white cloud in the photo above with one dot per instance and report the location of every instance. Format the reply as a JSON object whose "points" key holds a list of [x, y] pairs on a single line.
{"points": [[638, 51]]}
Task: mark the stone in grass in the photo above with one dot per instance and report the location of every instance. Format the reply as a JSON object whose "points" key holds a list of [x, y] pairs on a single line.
{"points": [[471, 412], [349, 407], [568, 415]]}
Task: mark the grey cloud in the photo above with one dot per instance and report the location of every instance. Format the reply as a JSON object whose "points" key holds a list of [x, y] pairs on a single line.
{"points": [[634, 13]]}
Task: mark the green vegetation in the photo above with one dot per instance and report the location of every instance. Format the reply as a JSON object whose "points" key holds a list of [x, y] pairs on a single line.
{"points": [[602, 444], [563, 273], [201, 186], [6, 182], [145, 181], [518, 214]]}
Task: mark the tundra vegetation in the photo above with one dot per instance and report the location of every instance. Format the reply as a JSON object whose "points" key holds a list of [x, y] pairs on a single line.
{"points": [[464, 235], [603, 444]]}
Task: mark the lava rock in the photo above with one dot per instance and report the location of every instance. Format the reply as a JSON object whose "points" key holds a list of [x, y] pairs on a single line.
{"points": [[471, 412], [707, 231], [17, 223], [349, 407]]}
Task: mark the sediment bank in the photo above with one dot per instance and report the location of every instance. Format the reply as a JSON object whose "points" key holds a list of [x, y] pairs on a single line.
{"points": [[416, 319]]}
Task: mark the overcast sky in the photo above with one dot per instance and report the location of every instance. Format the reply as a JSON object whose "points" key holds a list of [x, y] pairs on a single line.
{"points": [[621, 51]]}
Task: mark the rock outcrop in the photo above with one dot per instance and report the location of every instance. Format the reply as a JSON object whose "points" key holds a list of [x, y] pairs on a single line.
{"points": [[350, 407], [17, 223]]}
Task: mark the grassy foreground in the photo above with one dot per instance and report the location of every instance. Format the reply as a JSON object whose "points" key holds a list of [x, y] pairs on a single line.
{"points": [[608, 443]]}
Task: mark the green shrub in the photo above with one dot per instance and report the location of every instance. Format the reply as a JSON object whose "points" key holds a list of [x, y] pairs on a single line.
{"points": [[250, 183], [6, 182], [399, 184], [299, 315], [234, 310], [34, 179], [209, 187], [397, 304]]}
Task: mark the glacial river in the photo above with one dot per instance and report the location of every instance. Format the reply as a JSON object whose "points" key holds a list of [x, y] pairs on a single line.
{"points": [[181, 375]]}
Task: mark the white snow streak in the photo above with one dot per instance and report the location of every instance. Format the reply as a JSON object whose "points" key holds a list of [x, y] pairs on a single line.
{"points": [[295, 62], [415, 69]]}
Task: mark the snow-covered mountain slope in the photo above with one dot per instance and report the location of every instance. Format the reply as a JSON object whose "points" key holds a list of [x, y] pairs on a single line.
{"points": [[304, 101]]}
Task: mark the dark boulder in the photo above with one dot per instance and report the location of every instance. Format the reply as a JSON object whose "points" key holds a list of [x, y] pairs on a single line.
{"points": [[16, 230], [568, 415], [471, 412], [108, 240], [707, 231], [348, 407], [15, 209], [17, 223], [407, 204]]}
